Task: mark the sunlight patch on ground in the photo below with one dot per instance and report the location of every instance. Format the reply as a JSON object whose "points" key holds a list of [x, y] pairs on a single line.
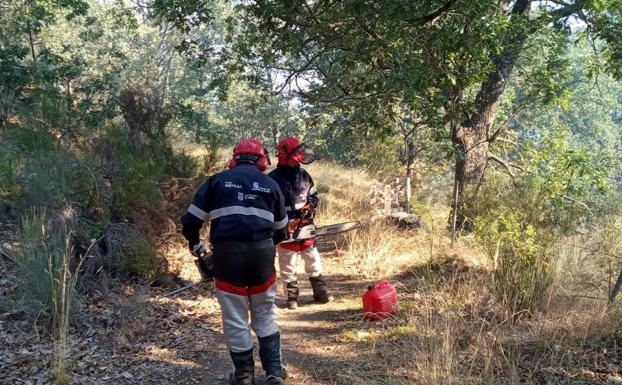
{"points": [[156, 353]]}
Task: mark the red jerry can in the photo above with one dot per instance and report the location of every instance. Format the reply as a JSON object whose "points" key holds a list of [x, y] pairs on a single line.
{"points": [[380, 300]]}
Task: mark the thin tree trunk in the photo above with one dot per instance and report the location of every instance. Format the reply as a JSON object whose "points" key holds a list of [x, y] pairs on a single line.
{"points": [[410, 158], [275, 134], [616, 289], [454, 220]]}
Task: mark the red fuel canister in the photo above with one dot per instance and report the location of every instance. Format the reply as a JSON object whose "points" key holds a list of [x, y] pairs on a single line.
{"points": [[380, 300]]}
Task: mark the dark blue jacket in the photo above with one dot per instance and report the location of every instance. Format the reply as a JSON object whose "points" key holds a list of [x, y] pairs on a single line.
{"points": [[242, 204], [297, 187]]}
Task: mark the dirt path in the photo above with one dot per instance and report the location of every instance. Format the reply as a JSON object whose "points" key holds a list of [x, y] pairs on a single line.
{"points": [[184, 336], [134, 336], [311, 334]]}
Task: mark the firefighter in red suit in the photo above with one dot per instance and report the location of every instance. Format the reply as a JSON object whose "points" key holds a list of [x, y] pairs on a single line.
{"points": [[301, 200], [247, 218]]}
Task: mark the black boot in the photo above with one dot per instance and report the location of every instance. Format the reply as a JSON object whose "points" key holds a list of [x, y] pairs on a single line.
{"points": [[270, 355], [244, 372], [320, 292], [292, 294]]}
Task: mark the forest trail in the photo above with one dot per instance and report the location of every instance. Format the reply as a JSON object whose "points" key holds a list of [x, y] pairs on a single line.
{"points": [[136, 336], [311, 335]]}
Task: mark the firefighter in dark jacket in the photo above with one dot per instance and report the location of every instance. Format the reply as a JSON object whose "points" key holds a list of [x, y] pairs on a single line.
{"points": [[301, 200], [247, 218]]}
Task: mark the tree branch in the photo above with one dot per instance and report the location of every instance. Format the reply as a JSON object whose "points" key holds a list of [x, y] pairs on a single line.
{"points": [[505, 140], [504, 125], [505, 164], [571, 199], [311, 13], [434, 15]]}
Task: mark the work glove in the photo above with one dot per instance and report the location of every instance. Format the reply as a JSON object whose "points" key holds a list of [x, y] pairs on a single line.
{"points": [[199, 249]]}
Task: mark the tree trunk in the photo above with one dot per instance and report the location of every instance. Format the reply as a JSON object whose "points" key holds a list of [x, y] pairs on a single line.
{"points": [[471, 160], [410, 158], [472, 137], [275, 134], [616, 289], [410, 169]]}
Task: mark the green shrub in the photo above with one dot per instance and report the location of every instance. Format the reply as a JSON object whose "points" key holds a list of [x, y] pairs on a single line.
{"points": [[47, 278], [41, 172], [39, 254], [524, 272], [137, 169], [44, 269], [10, 188], [137, 257]]}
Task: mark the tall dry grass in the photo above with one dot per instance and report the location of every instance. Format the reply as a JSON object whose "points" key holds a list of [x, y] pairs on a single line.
{"points": [[48, 274], [378, 248], [452, 328], [455, 332]]}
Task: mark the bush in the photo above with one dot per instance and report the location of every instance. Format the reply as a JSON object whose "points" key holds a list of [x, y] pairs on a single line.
{"points": [[52, 176], [524, 272], [137, 257], [520, 234], [10, 188], [125, 250], [136, 168]]}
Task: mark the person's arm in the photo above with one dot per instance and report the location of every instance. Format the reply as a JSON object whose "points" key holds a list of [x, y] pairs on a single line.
{"points": [[313, 198], [197, 213], [280, 217]]}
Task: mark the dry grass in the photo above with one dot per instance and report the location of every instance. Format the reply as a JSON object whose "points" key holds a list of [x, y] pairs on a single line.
{"points": [[48, 276], [378, 248], [451, 329], [454, 332]]}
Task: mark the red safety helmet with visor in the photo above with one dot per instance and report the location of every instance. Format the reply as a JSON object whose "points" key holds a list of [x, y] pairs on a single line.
{"points": [[290, 148]]}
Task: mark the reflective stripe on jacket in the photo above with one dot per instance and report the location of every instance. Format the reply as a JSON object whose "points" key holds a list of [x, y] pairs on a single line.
{"points": [[242, 204]]}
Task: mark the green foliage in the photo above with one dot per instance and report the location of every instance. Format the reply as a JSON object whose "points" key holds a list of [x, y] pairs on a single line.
{"points": [[137, 257], [29, 180], [521, 220], [10, 188], [375, 154], [137, 168], [524, 271], [43, 263]]}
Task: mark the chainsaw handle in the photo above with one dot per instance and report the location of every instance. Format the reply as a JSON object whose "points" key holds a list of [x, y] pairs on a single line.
{"points": [[297, 231]]}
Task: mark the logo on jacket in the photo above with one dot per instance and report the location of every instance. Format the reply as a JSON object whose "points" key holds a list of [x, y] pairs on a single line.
{"points": [[229, 184], [257, 187], [247, 197]]}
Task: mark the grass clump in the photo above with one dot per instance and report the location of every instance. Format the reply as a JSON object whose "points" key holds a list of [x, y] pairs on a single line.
{"points": [[47, 277]]}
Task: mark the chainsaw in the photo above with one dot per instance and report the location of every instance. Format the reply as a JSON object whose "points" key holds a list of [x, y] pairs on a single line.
{"points": [[302, 230], [205, 264]]}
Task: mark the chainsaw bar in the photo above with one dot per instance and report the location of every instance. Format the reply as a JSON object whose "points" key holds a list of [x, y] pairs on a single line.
{"points": [[336, 228]]}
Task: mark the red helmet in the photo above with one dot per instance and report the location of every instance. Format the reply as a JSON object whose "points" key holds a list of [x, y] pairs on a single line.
{"points": [[251, 147], [290, 149]]}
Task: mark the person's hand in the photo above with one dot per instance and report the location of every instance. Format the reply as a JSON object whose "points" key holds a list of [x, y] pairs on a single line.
{"points": [[198, 249], [307, 212], [292, 225]]}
